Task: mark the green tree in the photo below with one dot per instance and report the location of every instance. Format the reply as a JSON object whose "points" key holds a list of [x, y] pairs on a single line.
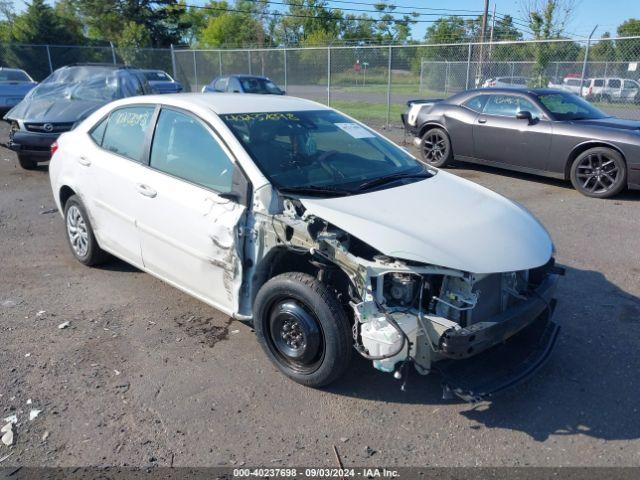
{"points": [[106, 20], [629, 50]]}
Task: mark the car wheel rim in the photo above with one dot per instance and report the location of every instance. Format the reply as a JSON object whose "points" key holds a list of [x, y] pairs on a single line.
{"points": [[77, 231], [434, 147], [295, 335], [597, 173]]}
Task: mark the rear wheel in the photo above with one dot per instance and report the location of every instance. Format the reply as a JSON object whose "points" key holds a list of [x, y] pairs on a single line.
{"points": [[599, 172], [27, 162], [303, 328], [80, 235], [435, 147]]}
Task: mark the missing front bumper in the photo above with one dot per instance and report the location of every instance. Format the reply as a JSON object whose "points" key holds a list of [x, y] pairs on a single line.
{"points": [[503, 366]]}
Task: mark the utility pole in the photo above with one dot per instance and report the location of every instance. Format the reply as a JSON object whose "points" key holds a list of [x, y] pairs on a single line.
{"points": [[493, 26], [483, 34]]}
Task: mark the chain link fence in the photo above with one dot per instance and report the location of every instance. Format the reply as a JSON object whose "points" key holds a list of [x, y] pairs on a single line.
{"points": [[373, 83]]}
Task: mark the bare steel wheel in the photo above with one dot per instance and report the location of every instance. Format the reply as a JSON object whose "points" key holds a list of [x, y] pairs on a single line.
{"points": [[303, 328], [436, 147], [80, 234], [599, 172]]}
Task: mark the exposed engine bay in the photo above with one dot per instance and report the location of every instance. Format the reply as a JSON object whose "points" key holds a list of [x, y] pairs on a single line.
{"points": [[404, 312]]}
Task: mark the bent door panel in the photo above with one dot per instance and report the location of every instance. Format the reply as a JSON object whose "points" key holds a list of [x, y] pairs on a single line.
{"points": [[499, 136], [189, 233]]}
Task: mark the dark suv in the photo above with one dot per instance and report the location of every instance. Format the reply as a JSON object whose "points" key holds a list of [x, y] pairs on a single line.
{"points": [[62, 100]]}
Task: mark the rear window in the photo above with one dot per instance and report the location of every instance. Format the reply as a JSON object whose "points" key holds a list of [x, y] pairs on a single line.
{"points": [[598, 83], [14, 76], [157, 77]]}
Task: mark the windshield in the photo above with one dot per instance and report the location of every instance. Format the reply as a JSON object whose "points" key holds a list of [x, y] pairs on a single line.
{"points": [[321, 151], [567, 106], [14, 76], [99, 84], [158, 77], [259, 85]]}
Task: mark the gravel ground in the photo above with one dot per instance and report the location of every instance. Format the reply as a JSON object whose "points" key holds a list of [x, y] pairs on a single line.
{"points": [[145, 375]]}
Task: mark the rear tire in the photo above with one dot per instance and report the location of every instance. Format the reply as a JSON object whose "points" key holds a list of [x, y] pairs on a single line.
{"points": [[26, 162], [435, 147], [80, 235], [599, 172], [303, 328]]}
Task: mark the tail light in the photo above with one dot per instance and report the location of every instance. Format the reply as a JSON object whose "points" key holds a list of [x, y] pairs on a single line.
{"points": [[54, 147], [590, 90]]}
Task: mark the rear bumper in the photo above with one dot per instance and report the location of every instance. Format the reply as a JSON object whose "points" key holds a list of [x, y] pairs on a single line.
{"points": [[408, 128], [33, 144]]}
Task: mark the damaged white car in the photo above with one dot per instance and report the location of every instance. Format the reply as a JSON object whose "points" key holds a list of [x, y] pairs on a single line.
{"points": [[326, 236]]}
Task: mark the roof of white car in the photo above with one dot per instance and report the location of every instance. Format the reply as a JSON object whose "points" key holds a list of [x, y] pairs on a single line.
{"points": [[222, 103]]}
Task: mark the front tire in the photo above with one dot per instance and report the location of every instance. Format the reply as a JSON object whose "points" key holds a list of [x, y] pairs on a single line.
{"points": [[303, 328], [80, 235], [435, 147], [26, 162], [599, 173]]}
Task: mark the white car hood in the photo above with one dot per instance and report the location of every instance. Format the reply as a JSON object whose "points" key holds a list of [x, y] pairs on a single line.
{"points": [[445, 221]]}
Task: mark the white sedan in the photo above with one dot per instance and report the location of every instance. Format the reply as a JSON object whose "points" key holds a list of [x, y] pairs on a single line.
{"points": [[326, 236]]}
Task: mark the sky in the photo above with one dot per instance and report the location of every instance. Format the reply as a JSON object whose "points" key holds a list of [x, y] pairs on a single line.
{"points": [[607, 14]]}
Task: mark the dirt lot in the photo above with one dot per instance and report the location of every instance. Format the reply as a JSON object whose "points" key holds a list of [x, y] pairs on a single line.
{"points": [[147, 375]]}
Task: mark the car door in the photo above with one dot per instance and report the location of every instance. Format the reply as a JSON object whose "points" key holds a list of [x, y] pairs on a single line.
{"points": [[234, 85], [460, 122], [190, 229], [614, 88], [630, 90], [119, 178], [500, 137]]}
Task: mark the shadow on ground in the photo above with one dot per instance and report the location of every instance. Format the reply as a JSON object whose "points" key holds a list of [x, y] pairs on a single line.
{"points": [[589, 386]]}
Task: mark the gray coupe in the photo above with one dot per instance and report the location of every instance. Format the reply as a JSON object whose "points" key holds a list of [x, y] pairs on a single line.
{"points": [[541, 131]]}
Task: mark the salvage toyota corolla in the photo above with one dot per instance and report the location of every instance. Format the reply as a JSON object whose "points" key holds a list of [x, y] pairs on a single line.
{"points": [[326, 236]]}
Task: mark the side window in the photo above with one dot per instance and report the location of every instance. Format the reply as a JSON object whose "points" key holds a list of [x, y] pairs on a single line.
{"points": [[598, 82], [221, 84], [526, 105], [631, 85], [183, 147], [234, 85], [614, 83], [476, 103], [503, 105], [126, 130], [97, 132]]}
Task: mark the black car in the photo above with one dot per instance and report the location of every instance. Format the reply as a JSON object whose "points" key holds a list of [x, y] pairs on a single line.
{"points": [[243, 84], [63, 99], [542, 131]]}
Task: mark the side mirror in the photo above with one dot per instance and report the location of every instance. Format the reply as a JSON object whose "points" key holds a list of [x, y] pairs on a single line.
{"points": [[524, 115]]}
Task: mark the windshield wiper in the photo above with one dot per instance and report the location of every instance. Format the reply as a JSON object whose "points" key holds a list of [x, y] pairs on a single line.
{"points": [[315, 190], [376, 182]]}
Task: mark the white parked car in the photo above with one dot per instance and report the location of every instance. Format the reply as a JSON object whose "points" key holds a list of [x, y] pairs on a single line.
{"points": [[326, 236], [612, 90], [569, 84], [506, 82]]}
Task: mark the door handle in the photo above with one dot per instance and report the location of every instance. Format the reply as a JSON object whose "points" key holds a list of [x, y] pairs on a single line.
{"points": [[84, 161], [146, 190], [482, 120]]}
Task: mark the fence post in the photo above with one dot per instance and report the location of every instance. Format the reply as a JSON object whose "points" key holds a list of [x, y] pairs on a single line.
{"points": [[249, 60], [285, 68], [220, 61], [557, 64], [421, 72], [49, 58], [195, 70], [586, 58], [173, 62], [466, 85], [389, 88], [328, 76], [446, 76], [113, 53]]}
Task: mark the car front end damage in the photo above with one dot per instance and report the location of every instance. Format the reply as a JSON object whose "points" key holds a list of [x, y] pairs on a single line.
{"points": [[459, 324]]}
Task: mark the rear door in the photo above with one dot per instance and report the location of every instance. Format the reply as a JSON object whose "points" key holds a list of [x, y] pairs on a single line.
{"points": [[119, 177], [498, 136], [189, 229], [460, 122], [630, 90]]}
